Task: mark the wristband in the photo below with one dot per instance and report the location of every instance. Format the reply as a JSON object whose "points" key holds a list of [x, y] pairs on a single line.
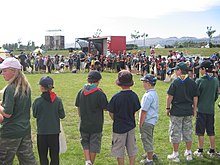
{"points": [[167, 108]]}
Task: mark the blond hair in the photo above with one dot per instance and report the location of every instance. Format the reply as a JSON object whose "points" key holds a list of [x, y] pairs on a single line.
{"points": [[21, 83]]}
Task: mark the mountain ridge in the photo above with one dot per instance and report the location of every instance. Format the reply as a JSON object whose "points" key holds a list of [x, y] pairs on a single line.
{"points": [[163, 41], [172, 40]]}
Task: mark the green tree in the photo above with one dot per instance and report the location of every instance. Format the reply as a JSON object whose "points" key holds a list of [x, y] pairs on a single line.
{"points": [[210, 33], [135, 35], [97, 33], [29, 45], [144, 36], [32, 45]]}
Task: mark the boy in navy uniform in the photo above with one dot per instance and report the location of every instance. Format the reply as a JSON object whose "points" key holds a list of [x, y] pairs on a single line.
{"points": [[122, 109]]}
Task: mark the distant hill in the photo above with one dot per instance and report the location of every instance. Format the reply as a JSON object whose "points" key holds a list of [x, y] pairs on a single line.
{"points": [[171, 40], [161, 41]]}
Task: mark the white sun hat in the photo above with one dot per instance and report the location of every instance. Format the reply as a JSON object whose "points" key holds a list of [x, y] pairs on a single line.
{"points": [[10, 62]]}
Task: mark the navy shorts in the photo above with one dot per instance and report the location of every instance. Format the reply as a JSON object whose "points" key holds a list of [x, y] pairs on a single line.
{"points": [[205, 122]]}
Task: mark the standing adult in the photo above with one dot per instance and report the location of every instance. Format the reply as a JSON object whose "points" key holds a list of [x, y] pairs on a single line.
{"points": [[49, 64], [15, 133], [71, 62], [183, 96], [57, 61], [22, 57], [82, 61], [195, 68]]}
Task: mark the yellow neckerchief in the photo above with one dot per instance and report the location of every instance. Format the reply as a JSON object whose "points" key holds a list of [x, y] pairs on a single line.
{"points": [[209, 75], [183, 77]]}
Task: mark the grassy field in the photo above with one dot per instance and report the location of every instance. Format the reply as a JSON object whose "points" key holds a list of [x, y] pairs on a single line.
{"points": [[67, 85], [163, 51]]}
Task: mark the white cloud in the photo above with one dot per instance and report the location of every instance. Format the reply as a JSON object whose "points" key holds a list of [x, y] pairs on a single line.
{"points": [[29, 20]]}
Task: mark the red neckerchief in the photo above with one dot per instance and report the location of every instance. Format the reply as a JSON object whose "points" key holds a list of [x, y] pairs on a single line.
{"points": [[52, 96], [90, 91]]}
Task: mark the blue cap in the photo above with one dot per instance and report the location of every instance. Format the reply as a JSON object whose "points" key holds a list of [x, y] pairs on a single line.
{"points": [[214, 56], [46, 81], [149, 78]]}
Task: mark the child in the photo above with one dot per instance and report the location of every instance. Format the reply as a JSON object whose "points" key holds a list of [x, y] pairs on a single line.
{"points": [[122, 109], [148, 116], [48, 110], [208, 88], [91, 101], [183, 96], [15, 132]]}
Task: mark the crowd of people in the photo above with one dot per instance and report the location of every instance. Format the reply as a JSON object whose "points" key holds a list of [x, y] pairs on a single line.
{"points": [[193, 92], [137, 62]]}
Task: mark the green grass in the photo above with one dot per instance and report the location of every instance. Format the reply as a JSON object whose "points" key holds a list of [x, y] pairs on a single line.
{"points": [[67, 86]]}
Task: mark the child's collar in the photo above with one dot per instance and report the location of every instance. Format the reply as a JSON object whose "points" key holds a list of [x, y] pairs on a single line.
{"points": [[183, 78], [151, 89], [125, 89], [209, 75]]}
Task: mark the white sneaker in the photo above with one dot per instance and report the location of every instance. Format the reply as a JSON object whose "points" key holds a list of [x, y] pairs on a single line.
{"points": [[188, 155], [144, 155], [146, 162], [88, 163], [211, 155], [198, 154], [174, 158]]}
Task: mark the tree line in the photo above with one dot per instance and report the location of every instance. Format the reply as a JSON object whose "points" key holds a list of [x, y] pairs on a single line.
{"points": [[136, 35]]}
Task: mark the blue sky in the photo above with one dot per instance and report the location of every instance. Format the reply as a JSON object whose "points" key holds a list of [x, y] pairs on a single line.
{"points": [[29, 20]]}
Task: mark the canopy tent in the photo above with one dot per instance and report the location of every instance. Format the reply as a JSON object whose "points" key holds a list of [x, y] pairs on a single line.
{"points": [[158, 46], [4, 53], [39, 51], [207, 46], [2, 50]]}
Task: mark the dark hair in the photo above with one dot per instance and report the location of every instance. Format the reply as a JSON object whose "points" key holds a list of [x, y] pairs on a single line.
{"points": [[209, 70], [184, 71], [94, 76], [49, 88], [92, 80]]}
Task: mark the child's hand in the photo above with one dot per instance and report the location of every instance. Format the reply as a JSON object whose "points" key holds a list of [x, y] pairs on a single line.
{"points": [[3, 114], [194, 113], [168, 112], [1, 118], [1, 108]]}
